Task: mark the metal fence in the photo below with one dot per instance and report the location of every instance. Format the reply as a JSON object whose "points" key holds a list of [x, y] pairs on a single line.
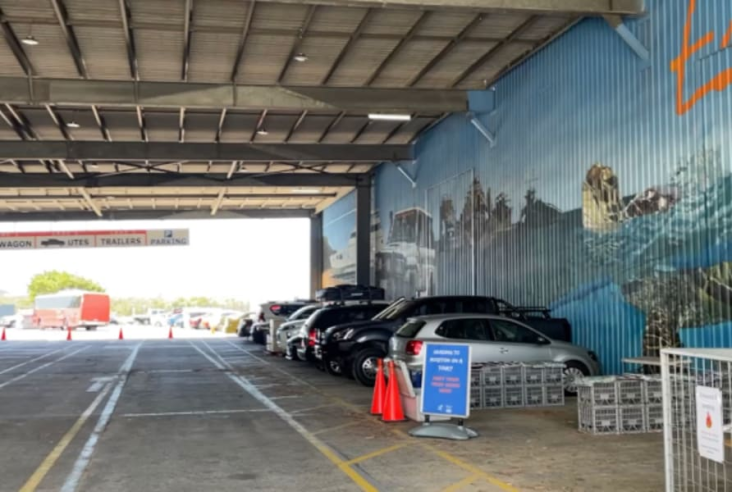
{"points": [[697, 415]]}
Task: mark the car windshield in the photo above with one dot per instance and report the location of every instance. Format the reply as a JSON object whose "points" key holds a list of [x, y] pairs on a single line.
{"points": [[302, 313], [387, 314]]}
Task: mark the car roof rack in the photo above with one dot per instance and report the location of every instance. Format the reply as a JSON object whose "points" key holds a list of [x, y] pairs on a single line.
{"points": [[347, 292]]}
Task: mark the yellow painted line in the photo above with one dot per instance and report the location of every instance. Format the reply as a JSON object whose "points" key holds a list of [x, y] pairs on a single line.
{"points": [[337, 427], [35, 480], [376, 453], [473, 469], [462, 483]]}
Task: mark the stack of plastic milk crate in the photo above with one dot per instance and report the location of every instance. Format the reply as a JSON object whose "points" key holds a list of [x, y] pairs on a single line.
{"points": [[514, 385], [620, 404]]}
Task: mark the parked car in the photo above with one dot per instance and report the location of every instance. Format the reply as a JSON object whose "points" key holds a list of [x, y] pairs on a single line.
{"points": [[492, 338], [273, 311], [334, 314], [294, 322], [354, 348]]}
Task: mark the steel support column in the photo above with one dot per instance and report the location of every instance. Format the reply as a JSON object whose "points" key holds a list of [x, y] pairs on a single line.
{"points": [[316, 254], [363, 234]]}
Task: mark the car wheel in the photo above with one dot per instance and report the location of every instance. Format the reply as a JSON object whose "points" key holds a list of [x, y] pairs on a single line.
{"points": [[292, 354], [572, 372], [333, 367], [365, 363]]}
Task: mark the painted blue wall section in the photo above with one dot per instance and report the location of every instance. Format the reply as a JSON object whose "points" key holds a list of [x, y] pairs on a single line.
{"points": [[606, 196], [339, 247]]}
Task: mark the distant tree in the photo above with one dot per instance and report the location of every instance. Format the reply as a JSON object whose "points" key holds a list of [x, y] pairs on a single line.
{"points": [[54, 281]]}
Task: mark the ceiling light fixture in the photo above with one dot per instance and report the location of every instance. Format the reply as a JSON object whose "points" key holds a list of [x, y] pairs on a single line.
{"points": [[306, 191], [73, 124], [390, 117], [301, 57], [262, 131], [29, 40]]}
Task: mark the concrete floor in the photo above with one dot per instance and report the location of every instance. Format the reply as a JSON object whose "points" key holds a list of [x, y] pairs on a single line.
{"points": [[218, 414]]}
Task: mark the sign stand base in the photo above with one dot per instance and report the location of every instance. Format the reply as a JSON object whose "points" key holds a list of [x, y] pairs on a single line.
{"points": [[444, 430]]}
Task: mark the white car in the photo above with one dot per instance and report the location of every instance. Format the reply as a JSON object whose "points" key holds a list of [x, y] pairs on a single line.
{"points": [[293, 324], [276, 311]]}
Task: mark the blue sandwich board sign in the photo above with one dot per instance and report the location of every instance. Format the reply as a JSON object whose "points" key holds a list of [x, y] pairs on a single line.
{"points": [[446, 380]]}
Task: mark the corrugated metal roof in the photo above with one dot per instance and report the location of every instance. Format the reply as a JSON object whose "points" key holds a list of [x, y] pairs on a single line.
{"points": [[263, 58], [275, 16], [104, 51], [201, 127], [159, 53], [461, 57], [446, 23], [496, 63], [391, 21], [8, 63], [346, 129], [544, 27], [238, 127], [322, 53], [410, 60], [51, 57], [93, 10], [364, 56], [162, 127], [158, 12], [28, 9], [498, 25], [220, 13], [212, 56], [337, 19]]}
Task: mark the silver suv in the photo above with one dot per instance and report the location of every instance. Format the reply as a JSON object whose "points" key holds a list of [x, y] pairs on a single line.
{"points": [[492, 339]]}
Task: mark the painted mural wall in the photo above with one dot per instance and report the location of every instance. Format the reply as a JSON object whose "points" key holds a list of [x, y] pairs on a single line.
{"points": [[608, 195], [339, 242]]}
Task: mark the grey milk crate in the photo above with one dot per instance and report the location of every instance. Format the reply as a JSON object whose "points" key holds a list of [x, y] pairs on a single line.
{"points": [[554, 395], [534, 396], [534, 374], [630, 391], [513, 375], [554, 373], [654, 417], [476, 398], [597, 419], [600, 391], [493, 397], [632, 419], [476, 377], [513, 396], [653, 390], [493, 375]]}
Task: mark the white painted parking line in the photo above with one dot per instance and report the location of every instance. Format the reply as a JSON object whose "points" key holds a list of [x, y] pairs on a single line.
{"points": [[193, 413], [362, 480], [98, 384], [41, 367], [164, 371], [72, 480]]}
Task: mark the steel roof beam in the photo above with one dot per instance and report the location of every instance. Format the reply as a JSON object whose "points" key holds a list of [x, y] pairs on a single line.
{"points": [[402, 42], [174, 151], [71, 41], [187, 39], [586, 7], [12, 40], [182, 194], [16, 90], [349, 44], [243, 40], [146, 180], [129, 39]]}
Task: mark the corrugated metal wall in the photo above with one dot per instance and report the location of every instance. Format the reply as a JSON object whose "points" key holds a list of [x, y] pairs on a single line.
{"points": [[605, 197], [339, 242]]}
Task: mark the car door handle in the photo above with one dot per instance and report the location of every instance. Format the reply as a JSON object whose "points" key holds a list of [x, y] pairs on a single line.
{"points": [[504, 350]]}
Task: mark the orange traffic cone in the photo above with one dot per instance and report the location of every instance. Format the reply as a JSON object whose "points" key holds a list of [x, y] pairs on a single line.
{"points": [[377, 403], [3, 337], [170, 333], [68, 333], [393, 404], [121, 335]]}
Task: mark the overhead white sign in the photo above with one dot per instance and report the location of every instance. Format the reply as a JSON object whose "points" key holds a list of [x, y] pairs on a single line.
{"points": [[93, 239], [709, 423]]}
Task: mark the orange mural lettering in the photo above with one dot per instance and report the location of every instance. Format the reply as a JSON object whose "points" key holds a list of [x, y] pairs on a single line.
{"points": [[719, 83]]}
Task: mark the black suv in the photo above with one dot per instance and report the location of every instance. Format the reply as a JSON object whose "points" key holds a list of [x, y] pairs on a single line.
{"points": [[330, 315], [354, 348]]}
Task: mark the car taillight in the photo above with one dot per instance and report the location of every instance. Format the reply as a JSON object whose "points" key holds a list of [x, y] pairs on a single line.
{"points": [[414, 347], [312, 337], [275, 309]]}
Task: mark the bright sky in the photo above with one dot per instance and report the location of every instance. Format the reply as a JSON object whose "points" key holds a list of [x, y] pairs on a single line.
{"points": [[247, 259]]}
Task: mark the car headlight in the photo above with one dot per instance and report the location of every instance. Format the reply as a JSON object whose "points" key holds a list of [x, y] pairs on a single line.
{"points": [[343, 335]]}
